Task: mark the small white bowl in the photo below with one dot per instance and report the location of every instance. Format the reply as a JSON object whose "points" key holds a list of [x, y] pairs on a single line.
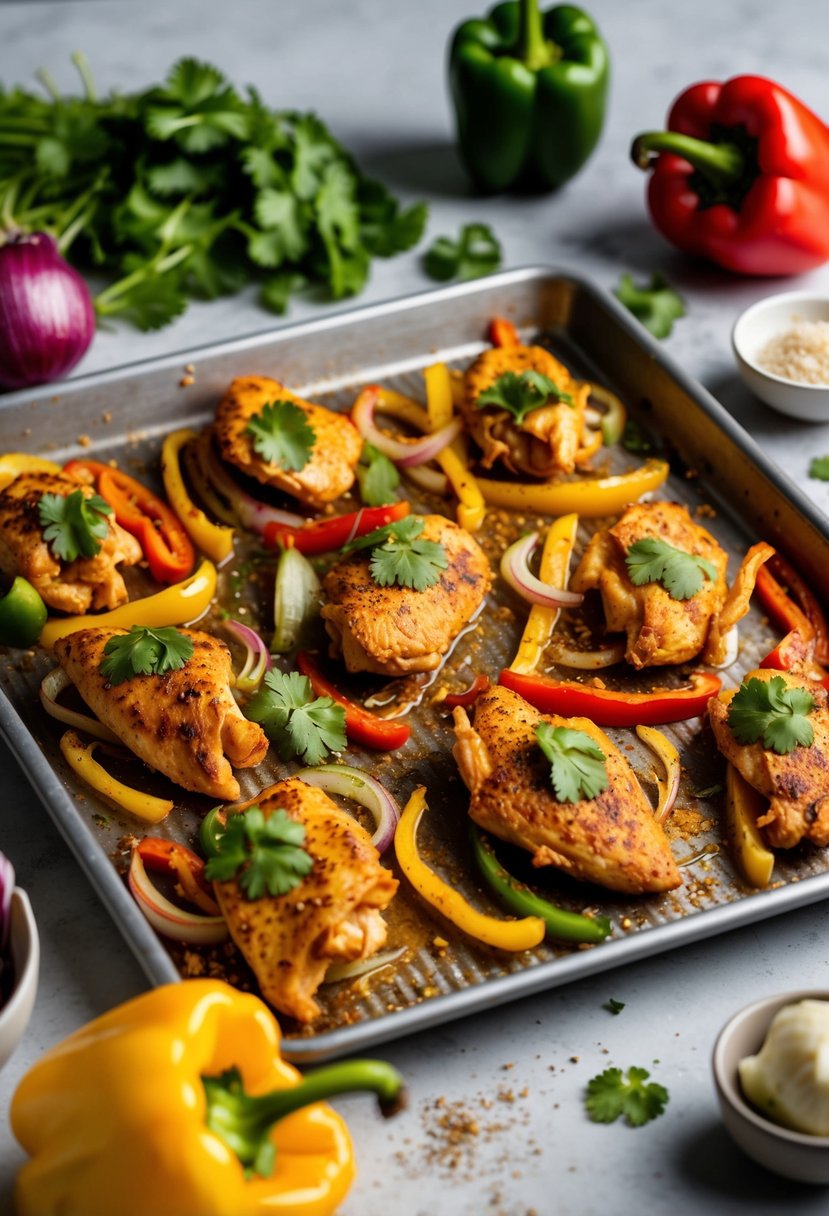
{"points": [[25, 952], [755, 327], [791, 1154]]}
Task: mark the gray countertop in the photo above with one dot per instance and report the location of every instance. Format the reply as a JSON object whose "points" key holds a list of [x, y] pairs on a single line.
{"points": [[375, 72]]}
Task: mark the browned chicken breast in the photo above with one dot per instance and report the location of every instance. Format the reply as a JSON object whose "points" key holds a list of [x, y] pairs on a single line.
{"points": [[183, 723], [550, 439], [395, 630], [659, 628], [88, 582], [612, 840], [796, 784], [337, 442], [332, 916]]}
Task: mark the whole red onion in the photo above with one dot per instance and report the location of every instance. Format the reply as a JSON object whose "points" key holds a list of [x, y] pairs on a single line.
{"points": [[47, 319]]}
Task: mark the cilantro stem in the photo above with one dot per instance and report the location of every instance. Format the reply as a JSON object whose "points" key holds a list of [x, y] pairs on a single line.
{"points": [[82, 64], [49, 83], [104, 300]]}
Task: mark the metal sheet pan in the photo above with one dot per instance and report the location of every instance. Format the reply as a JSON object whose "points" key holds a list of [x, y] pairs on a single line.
{"points": [[122, 415]]}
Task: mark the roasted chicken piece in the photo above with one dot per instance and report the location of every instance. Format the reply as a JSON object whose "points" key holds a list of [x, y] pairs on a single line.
{"points": [[183, 723], [78, 586], [659, 628], [612, 840], [796, 784], [550, 439], [329, 471], [332, 916], [395, 630]]}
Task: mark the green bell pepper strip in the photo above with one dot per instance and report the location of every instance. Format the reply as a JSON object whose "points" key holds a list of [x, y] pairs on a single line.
{"points": [[22, 614], [529, 92], [563, 925], [211, 830]]}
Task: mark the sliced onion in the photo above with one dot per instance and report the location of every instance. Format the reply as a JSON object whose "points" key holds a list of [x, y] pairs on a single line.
{"points": [[54, 683], [404, 454], [516, 571], [296, 598], [732, 647], [252, 513], [6, 889], [193, 928], [665, 751], [363, 966], [355, 784], [612, 419], [257, 659], [587, 660], [431, 480]]}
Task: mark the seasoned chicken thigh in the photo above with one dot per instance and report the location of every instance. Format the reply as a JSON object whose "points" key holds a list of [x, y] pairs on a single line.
{"points": [[78, 586], [332, 916], [183, 723], [549, 439], [612, 840], [796, 784], [395, 630], [659, 628], [330, 469]]}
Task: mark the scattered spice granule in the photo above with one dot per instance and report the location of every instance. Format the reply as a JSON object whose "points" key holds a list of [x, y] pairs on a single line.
{"points": [[190, 368], [800, 354], [84, 441], [106, 416], [186, 381], [705, 511]]}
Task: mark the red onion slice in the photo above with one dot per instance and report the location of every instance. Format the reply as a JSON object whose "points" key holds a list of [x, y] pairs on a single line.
{"points": [[587, 660], [6, 889], [355, 784], [193, 928], [404, 454], [516, 571], [252, 513], [257, 659], [54, 683]]}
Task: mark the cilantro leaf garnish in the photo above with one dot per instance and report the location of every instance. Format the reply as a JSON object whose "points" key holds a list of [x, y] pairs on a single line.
{"points": [[772, 711], [819, 468], [476, 252], [613, 1006], [613, 1093], [377, 475], [265, 855], [73, 524], [399, 556], [651, 560], [522, 394], [578, 765], [282, 434], [300, 726], [145, 652], [656, 305]]}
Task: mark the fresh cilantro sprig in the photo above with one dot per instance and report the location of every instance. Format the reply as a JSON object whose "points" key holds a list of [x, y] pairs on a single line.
{"points": [[399, 556], [521, 394], [578, 766], [651, 560], [282, 434], [476, 252], [772, 711], [265, 855], [301, 726], [613, 1094], [377, 476], [144, 652], [656, 305], [819, 468], [613, 1006], [73, 524]]}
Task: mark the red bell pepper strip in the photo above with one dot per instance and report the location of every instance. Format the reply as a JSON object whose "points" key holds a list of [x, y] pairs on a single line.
{"points": [[156, 527], [503, 333], [741, 177], [609, 708], [464, 699], [382, 734], [795, 652], [169, 857], [325, 535], [792, 604]]}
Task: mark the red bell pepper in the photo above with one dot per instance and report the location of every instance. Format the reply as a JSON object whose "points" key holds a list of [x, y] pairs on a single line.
{"points": [[464, 699], [325, 535], [609, 708], [741, 177], [367, 729], [791, 603], [156, 527], [503, 333], [169, 857]]}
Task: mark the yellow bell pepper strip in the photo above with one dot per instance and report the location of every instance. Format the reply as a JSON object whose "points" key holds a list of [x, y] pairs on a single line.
{"points": [[471, 505], [146, 1110], [554, 570], [589, 498], [177, 605], [743, 807], [214, 540], [12, 464], [78, 755], [668, 785], [511, 935]]}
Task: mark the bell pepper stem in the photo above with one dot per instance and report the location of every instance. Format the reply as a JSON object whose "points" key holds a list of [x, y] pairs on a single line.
{"points": [[532, 47], [721, 164], [244, 1122]]}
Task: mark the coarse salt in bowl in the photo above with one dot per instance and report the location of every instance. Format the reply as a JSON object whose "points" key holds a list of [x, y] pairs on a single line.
{"points": [[780, 352]]}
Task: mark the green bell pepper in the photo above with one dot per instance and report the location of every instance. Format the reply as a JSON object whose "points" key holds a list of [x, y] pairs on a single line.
{"points": [[529, 93], [22, 615]]}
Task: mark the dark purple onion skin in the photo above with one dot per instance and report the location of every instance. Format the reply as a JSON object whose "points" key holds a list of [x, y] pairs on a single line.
{"points": [[47, 319]]}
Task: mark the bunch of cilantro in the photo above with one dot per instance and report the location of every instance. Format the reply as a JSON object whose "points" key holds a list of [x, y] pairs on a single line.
{"points": [[193, 189]]}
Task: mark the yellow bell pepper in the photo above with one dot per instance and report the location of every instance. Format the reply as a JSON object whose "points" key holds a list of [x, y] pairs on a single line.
{"points": [[589, 498], [743, 807], [177, 605], [554, 570], [471, 505], [668, 785], [146, 1111], [215, 540], [12, 464], [78, 755], [504, 934]]}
